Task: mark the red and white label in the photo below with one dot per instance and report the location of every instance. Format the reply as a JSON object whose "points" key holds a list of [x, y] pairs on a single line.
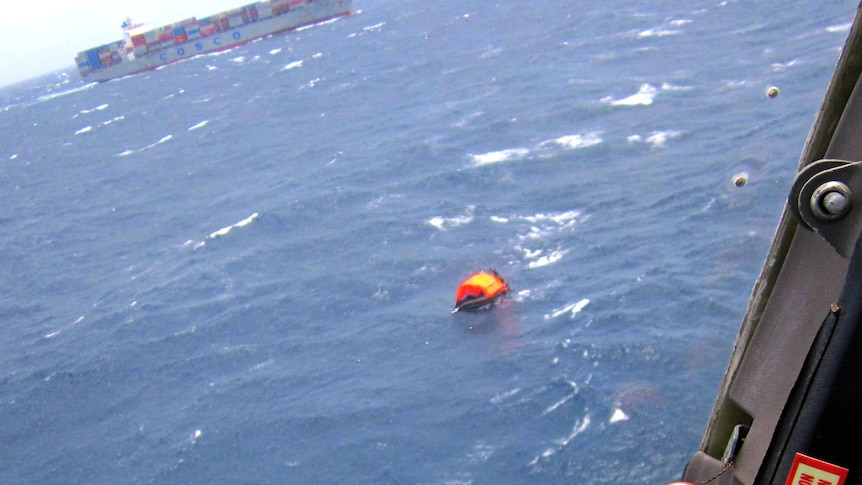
{"points": [[811, 471]]}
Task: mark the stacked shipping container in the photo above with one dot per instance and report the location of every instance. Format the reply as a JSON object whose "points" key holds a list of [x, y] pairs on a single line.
{"points": [[136, 43]]}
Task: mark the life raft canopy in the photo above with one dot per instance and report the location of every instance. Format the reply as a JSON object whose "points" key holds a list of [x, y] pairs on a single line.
{"points": [[479, 290]]}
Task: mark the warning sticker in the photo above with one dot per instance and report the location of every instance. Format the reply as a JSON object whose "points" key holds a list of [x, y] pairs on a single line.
{"points": [[811, 471]]}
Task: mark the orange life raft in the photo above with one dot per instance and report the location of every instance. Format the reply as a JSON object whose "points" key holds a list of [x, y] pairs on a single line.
{"points": [[479, 290]]}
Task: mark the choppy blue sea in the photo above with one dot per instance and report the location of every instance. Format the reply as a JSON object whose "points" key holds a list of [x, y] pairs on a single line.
{"points": [[240, 268]]}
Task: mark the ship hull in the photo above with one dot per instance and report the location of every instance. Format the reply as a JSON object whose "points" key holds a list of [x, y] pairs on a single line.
{"points": [[310, 13]]}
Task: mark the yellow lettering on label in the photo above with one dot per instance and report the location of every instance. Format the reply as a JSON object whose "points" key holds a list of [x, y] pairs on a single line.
{"points": [[806, 475]]}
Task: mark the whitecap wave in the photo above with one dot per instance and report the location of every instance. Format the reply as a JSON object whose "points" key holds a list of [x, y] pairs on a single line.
{"points": [[374, 27], [225, 230], [112, 120], [672, 87], [618, 415], [564, 400], [567, 218], [85, 129], [199, 125], [544, 149], [734, 84], [553, 407], [536, 235], [542, 227], [446, 223], [48, 97], [220, 53], [669, 28], [500, 156], [658, 32], [315, 24], [67, 327], [292, 65], [839, 29], [498, 398], [194, 244], [783, 66], [579, 427], [658, 139], [578, 140], [310, 84], [128, 152], [528, 254], [644, 97], [573, 309], [548, 260], [88, 111]]}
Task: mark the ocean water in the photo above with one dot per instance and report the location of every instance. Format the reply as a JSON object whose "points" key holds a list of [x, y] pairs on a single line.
{"points": [[240, 268]]}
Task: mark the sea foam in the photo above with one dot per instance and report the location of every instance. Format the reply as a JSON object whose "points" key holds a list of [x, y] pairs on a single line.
{"points": [[548, 260], [500, 156], [446, 223], [644, 97], [292, 65], [225, 230], [658, 139], [577, 141], [199, 125], [572, 309]]}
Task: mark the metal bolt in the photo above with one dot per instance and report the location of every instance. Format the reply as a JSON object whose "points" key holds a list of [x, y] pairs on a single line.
{"points": [[835, 203], [831, 201]]}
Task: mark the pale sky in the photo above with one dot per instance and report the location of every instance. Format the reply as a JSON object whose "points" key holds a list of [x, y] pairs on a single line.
{"points": [[42, 36]]}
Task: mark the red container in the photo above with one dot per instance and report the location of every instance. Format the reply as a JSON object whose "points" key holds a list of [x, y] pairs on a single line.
{"points": [[208, 28]]}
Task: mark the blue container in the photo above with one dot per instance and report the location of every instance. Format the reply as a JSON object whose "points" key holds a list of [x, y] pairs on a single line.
{"points": [[179, 31], [93, 59]]}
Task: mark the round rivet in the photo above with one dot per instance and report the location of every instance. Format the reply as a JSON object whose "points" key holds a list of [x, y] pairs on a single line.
{"points": [[835, 203], [832, 200]]}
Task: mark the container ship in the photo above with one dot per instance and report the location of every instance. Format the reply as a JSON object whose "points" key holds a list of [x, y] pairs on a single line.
{"points": [[143, 48]]}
